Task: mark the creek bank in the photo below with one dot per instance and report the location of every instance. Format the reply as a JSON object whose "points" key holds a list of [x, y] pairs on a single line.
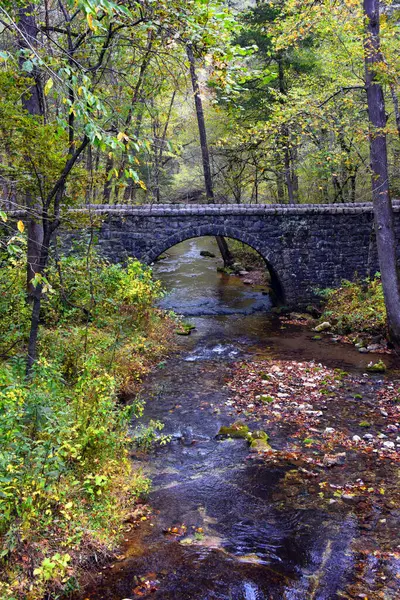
{"points": [[338, 436], [248, 265], [364, 341], [68, 485], [355, 313]]}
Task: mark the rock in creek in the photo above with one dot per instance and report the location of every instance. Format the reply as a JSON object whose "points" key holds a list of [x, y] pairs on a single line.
{"points": [[331, 460], [322, 326], [237, 430], [378, 367]]}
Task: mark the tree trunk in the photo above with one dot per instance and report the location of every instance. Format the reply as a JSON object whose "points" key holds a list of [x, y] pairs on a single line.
{"points": [[383, 211], [32, 101], [50, 223], [353, 183], [294, 176], [395, 101], [288, 169], [34, 330], [288, 162], [108, 182], [280, 184], [222, 244]]}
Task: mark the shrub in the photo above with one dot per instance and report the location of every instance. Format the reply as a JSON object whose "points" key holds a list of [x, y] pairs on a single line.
{"points": [[66, 483], [356, 307]]}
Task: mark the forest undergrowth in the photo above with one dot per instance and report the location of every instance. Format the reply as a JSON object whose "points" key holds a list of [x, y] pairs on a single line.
{"points": [[67, 485], [356, 311]]}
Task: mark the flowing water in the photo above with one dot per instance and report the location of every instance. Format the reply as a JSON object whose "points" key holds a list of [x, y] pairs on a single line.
{"points": [[243, 541]]}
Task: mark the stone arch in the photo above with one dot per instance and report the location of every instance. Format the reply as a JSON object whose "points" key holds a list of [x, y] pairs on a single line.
{"points": [[272, 261]]}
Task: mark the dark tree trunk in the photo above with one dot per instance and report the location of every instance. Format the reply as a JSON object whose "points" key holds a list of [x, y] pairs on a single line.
{"points": [[395, 101], [201, 125], [108, 182], [288, 169], [288, 162], [222, 244], [353, 184], [280, 183], [50, 222], [294, 176], [383, 211], [33, 103]]}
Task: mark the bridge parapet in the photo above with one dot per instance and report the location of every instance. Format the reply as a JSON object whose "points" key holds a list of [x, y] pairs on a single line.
{"points": [[220, 209], [231, 209]]}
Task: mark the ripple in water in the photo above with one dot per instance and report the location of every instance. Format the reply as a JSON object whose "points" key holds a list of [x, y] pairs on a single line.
{"points": [[222, 351]]}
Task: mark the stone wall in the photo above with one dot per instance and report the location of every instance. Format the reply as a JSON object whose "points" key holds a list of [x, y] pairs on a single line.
{"points": [[305, 247]]}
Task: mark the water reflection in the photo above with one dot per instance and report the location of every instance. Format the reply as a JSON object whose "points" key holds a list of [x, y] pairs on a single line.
{"points": [[195, 287]]}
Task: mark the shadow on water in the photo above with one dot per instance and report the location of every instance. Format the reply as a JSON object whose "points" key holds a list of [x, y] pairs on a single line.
{"points": [[243, 541]]}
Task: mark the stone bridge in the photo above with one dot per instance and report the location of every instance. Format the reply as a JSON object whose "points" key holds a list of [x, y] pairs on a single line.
{"points": [[305, 247]]}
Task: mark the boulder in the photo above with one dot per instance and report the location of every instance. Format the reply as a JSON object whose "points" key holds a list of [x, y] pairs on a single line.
{"points": [[185, 329], [258, 445], [389, 445], [323, 326], [331, 460], [237, 430], [259, 434]]}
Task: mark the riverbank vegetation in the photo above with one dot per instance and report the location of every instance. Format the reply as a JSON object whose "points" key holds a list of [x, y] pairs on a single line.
{"points": [[356, 308], [67, 486]]}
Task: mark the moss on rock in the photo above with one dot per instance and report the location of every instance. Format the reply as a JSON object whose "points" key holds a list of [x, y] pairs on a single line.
{"points": [[378, 367], [185, 329], [236, 430]]}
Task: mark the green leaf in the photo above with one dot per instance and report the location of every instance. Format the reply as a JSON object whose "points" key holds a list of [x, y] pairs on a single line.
{"points": [[28, 65]]}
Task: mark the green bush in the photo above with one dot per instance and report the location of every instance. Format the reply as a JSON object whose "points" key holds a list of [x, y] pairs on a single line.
{"points": [[66, 483], [14, 310], [92, 289], [356, 307], [62, 449]]}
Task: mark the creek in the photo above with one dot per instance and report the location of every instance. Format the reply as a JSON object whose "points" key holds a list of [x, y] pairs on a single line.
{"points": [[244, 539]]}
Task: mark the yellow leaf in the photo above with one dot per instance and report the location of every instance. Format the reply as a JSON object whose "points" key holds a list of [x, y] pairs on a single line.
{"points": [[122, 136], [142, 184], [48, 86], [21, 226], [89, 18]]}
